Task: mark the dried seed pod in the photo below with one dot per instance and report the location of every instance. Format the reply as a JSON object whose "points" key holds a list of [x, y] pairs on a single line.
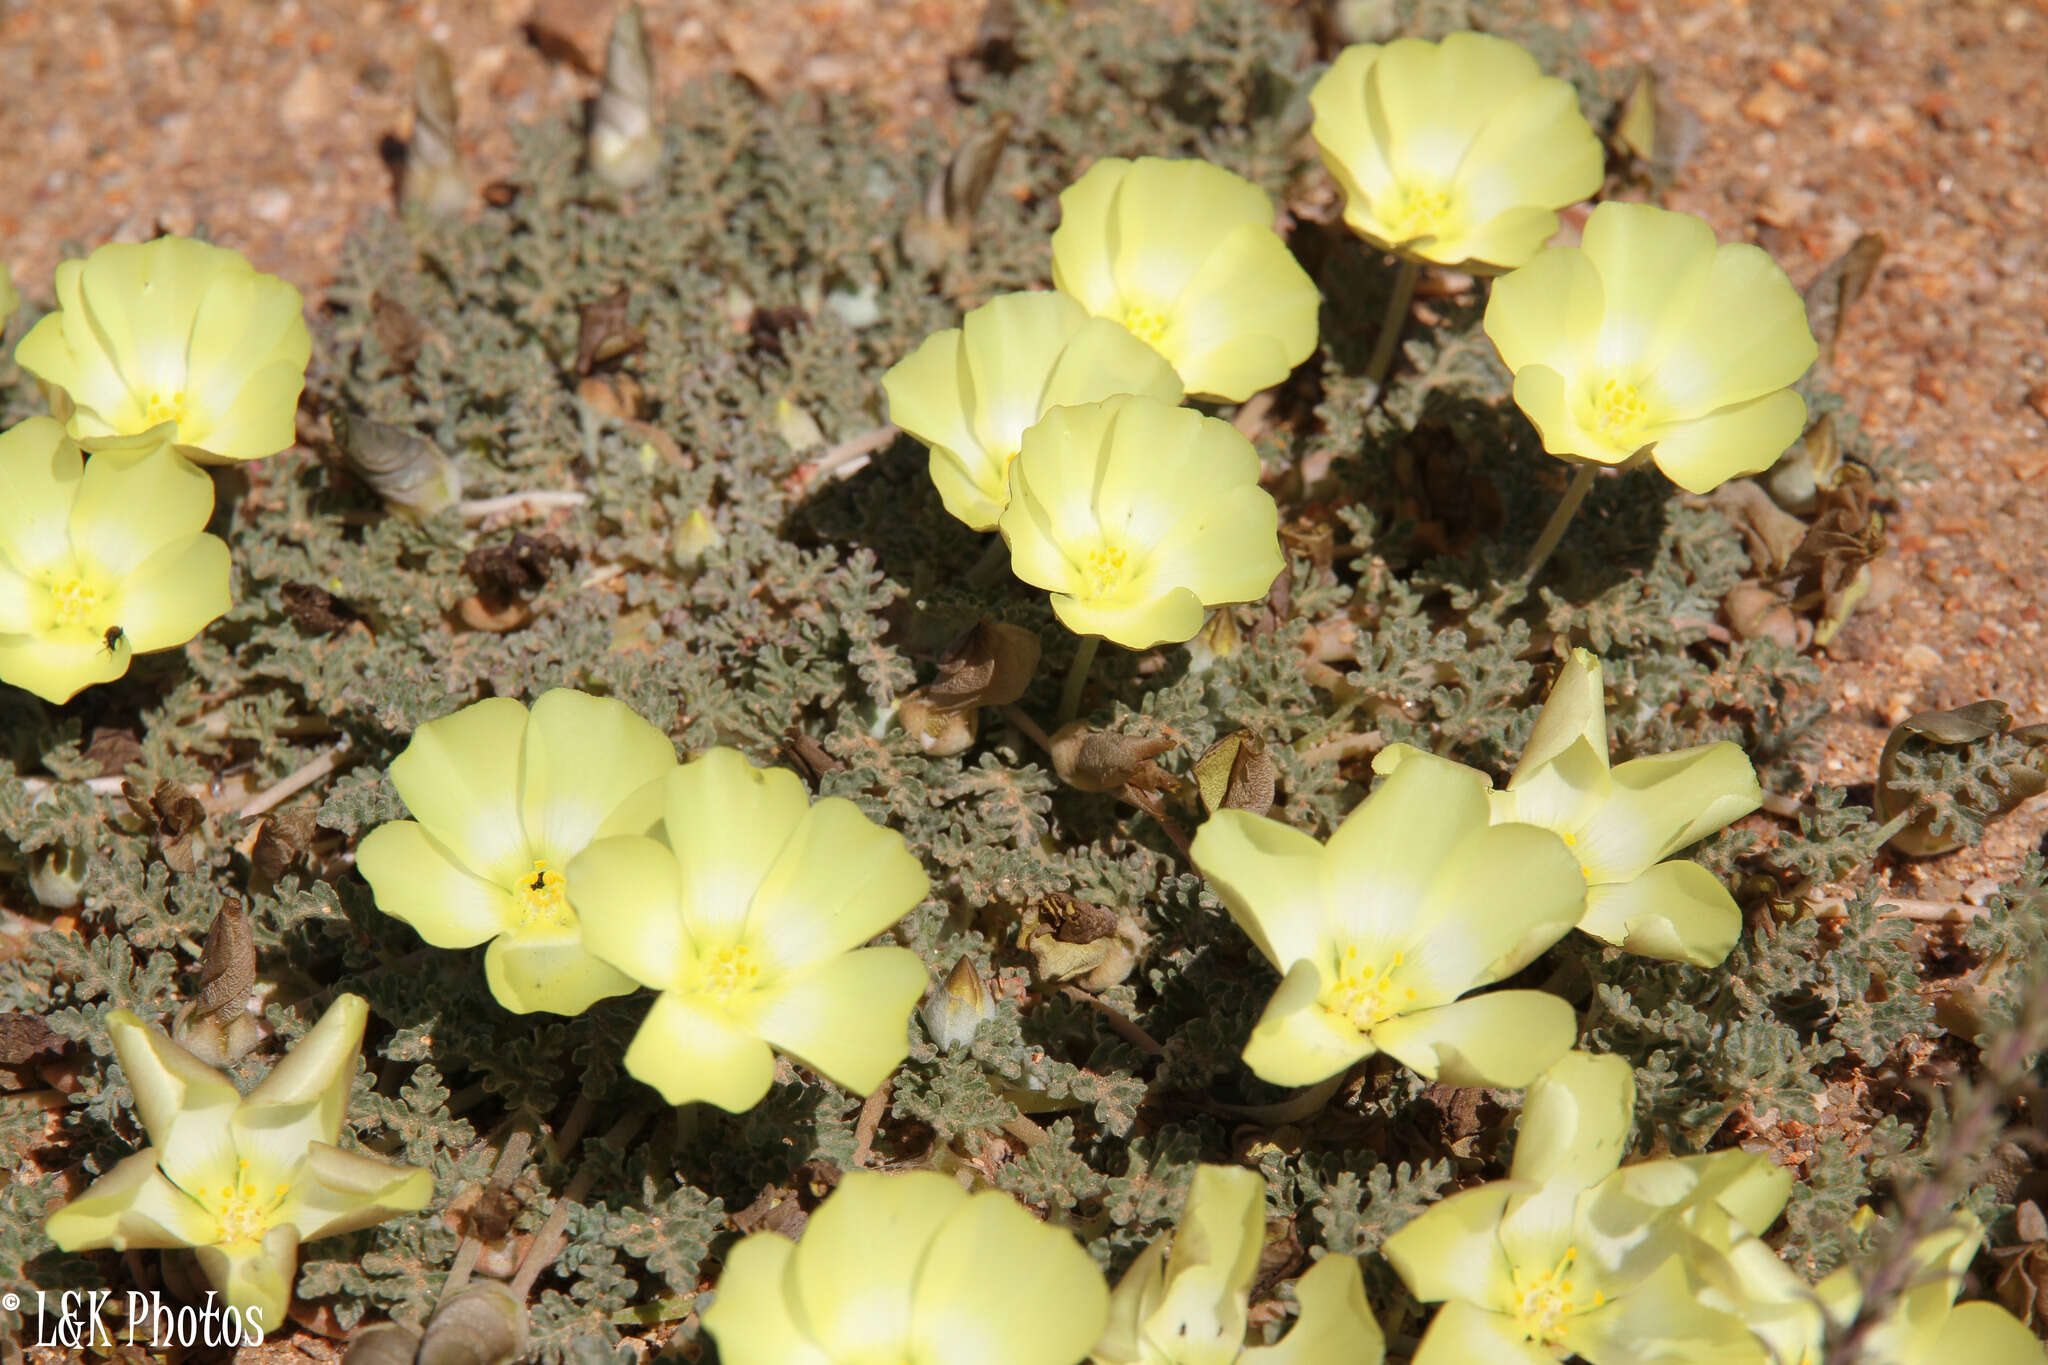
{"points": [[1831, 293], [283, 839], [483, 1325], [624, 143], [602, 332], [1767, 529], [1756, 612], [956, 1006], [386, 1343], [434, 176], [991, 664], [227, 964], [317, 611], [401, 467], [1236, 773], [1813, 463], [942, 227], [1099, 761], [940, 731]]}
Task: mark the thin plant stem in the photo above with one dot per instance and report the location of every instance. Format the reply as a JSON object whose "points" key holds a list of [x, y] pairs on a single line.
{"points": [[1391, 325], [990, 566], [1077, 679], [1553, 530]]}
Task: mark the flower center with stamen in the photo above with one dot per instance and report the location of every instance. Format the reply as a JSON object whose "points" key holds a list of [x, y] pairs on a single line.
{"points": [[1365, 992], [167, 407], [543, 903], [245, 1212], [76, 603], [1545, 1300], [1106, 569], [730, 970], [1618, 410], [1421, 213], [1146, 324]]}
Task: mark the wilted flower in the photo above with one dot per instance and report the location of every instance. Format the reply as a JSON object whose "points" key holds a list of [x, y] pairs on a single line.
{"points": [[173, 331], [972, 391], [749, 921], [1623, 825], [1574, 1253], [502, 799], [1459, 152], [99, 561], [1184, 254], [243, 1180], [1924, 1327], [1414, 901], [1187, 1304], [909, 1267], [1137, 516], [1650, 335]]}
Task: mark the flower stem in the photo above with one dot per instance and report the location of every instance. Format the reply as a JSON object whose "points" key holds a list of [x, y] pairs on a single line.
{"points": [[1077, 678], [990, 566], [1553, 530], [1391, 326]]}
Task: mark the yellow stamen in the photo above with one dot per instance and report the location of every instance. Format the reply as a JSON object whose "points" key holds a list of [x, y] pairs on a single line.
{"points": [[1365, 991], [1107, 569], [167, 407], [1421, 213], [76, 602], [1548, 1298], [731, 970], [1146, 324], [1618, 410], [543, 903]]}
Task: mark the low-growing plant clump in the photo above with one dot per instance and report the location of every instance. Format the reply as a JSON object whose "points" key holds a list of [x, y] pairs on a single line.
{"points": [[1164, 736]]}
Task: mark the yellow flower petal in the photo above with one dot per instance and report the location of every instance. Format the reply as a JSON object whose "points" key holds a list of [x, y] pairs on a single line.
{"points": [[1458, 152], [839, 880], [962, 1312], [547, 968], [971, 392], [131, 1207], [1271, 878], [691, 1051], [856, 1270], [1298, 1042], [628, 892], [459, 776], [1503, 1038], [57, 670], [343, 1191], [1452, 1249], [417, 878], [751, 1316], [1336, 1326], [1167, 249], [1677, 911], [1651, 335], [728, 821], [583, 758], [174, 330], [1136, 515], [174, 594], [176, 1094], [255, 1277], [41, 468], [1577, 1119], [305, 1097], [848, 1017], [1460, 1334]]}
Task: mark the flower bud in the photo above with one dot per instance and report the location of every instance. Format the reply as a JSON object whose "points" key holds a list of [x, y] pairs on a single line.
{"points": [[693, 540], [434, 177], [406, 470], [956, 1007], [625, 142], [56, 876]]}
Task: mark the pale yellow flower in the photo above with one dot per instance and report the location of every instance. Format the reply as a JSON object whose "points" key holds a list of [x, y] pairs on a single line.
{"points": [[175, 331], [909, 1268], [1649, 335], [748, 916], [1925, 1324], [1459, 152], [243, 1180], [1415, 901], [99, 560], [1138, 516], [502, 800], [1184, 254], [1575, 1255], [1185, 1302], [972, 391]]}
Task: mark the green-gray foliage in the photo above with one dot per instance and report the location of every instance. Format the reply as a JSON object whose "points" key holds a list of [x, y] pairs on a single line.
{"points": [[764, 274]]}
